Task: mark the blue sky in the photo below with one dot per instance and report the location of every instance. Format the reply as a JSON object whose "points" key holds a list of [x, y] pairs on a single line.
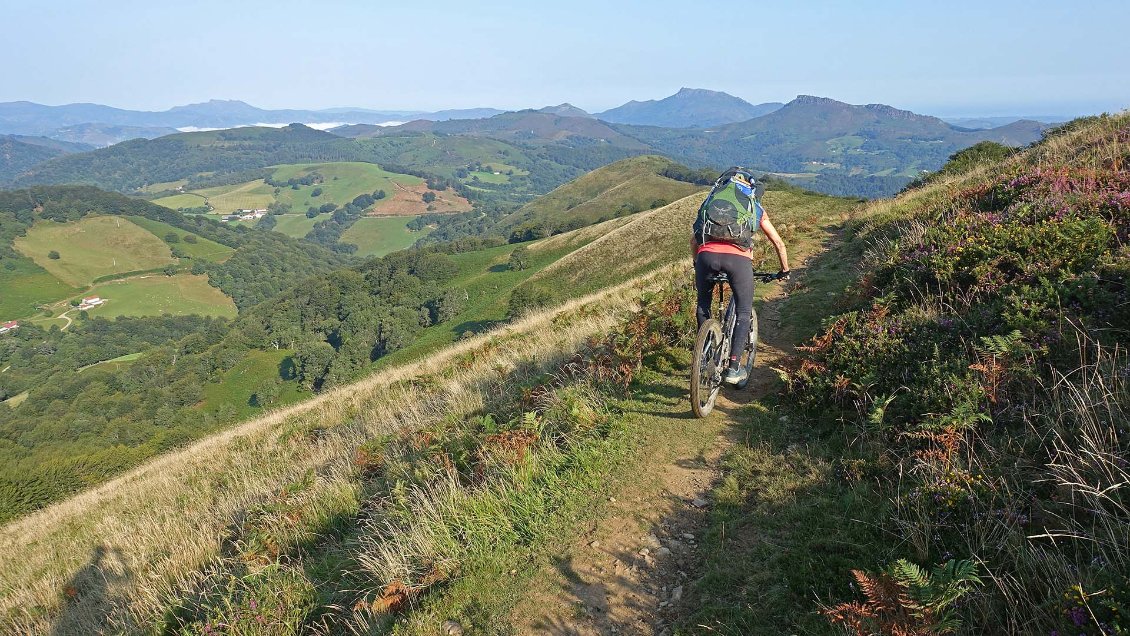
{"points": [[955, 58]]}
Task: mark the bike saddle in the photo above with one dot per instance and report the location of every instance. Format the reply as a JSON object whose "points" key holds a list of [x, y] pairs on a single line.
{"points": [[719, 277]]}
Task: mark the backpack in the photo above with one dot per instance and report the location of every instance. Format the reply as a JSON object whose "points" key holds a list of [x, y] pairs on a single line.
{"points": [[731, 212]]}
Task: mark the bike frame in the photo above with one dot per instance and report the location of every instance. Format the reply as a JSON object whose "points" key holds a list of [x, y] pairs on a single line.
{"points": [[713, 345]]}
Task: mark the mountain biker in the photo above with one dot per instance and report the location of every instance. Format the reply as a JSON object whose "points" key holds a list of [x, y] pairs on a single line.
{"points": [[735, 260]]}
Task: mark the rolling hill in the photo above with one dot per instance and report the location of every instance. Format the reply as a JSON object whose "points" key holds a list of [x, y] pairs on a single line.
{"points": [[19, 153], [618, 189], [688, 108], [526, 126]]}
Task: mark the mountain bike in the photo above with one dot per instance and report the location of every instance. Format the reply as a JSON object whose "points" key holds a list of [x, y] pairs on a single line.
{"points": [[712, 347]]}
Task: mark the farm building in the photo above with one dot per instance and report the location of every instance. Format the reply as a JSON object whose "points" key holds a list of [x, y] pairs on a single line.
{"points": [[11, 325], [91, 301]]}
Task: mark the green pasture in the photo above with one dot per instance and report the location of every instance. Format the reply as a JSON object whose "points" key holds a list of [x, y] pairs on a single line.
{"points": [[25, 286], [157, 294], [203, 249], [344, 181], [153, 188], [377, 236], [178, 201], [251, 195], [297, 225], [489, 282], [487, 177], [92, 247], [239, 384]]}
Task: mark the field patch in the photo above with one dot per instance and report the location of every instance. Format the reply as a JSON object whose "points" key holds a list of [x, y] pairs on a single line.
{"points": [[195, 247], [157, 294], [251, 195], [181, 201], [26, 286], [409, 201], [297, 225], [164, 186], [92, 247], [341, 183], [16, 400], [239, 385], [377, 236]]}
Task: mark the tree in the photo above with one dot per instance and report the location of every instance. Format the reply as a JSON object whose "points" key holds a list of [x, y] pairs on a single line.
{"points": [[170, 270], [53, 255], [172, 237], [266, 393], [527, 298], [311, 212], [316, 192], [311, 360], [190, 238], [519, 259], [429, 196]]}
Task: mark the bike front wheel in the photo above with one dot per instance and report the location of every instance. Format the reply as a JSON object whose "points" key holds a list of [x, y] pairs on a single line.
{"points": [[706, 376]]}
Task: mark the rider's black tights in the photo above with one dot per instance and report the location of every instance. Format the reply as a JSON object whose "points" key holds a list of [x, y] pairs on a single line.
{"points": [[740, 270]]}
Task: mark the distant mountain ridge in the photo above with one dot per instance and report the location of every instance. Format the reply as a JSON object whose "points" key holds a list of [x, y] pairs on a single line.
{"points": [[831, 146], [821, 143], [111, 125], [688, 108]]}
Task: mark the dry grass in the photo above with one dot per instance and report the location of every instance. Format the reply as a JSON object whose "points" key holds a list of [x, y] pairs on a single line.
{"points": [[161, 525]]}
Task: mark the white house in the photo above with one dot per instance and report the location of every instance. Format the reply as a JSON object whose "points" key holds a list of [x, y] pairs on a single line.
{"points": [[91, 301]]}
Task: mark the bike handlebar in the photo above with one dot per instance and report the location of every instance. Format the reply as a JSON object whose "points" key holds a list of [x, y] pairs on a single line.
{"points": [[768, 277]]}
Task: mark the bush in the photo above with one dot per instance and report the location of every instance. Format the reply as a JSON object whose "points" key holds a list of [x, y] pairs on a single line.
{"points": [[53, 255]]}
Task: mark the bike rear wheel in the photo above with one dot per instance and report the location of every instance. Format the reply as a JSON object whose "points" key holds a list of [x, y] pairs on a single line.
{"points": [[749, 355], [705, 371]]}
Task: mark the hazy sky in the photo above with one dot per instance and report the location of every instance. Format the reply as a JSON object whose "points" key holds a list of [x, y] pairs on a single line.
{"points": [[956, 58]]}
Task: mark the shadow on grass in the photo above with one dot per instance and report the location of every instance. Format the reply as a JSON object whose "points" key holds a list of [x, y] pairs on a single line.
{"points": [[89, 595]]}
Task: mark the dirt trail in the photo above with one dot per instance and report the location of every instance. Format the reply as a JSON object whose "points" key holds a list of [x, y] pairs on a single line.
{"points": [[631, 569]]}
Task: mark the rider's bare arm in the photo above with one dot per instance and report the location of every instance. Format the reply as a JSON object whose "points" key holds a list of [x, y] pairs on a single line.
{"points": [[775, 239]]}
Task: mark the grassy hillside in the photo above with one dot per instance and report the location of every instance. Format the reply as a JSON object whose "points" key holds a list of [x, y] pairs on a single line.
{"points": [[377, 236], [183, 242], [26, 286], [93, 247], [966, 399], [487, 399], [158, 294], [661, 236], [312, 185], [151, 555], [621, 188], [341, 183]]}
